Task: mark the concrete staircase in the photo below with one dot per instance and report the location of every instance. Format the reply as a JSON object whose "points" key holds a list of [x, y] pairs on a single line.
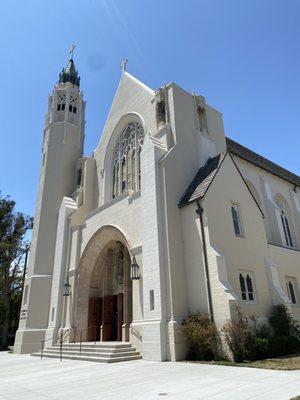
{"points": [[107, 352]]}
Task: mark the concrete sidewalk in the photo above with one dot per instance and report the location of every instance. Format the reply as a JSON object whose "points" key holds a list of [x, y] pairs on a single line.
{"points": [[24, 377]]}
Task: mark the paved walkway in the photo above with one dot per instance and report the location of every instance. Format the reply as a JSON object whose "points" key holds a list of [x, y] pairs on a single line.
{"points": [[24, 377]]}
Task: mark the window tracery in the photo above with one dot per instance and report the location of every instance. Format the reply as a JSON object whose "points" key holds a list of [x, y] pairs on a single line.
{"points": [[126, 169], [286, 227], [73, 105], [61, 102]]}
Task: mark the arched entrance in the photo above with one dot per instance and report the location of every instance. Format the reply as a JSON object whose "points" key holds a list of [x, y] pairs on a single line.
{"points": [[103, 309]]}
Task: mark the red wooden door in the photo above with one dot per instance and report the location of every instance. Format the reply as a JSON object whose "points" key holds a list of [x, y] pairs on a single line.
{"points": [[94, 318], [109, 318], [120, 316]]}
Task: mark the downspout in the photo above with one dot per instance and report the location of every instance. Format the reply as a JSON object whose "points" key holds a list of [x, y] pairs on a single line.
{"points": [[199, 211]]}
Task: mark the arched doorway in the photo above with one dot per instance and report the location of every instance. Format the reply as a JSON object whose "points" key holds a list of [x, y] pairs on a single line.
{"points": [[103, 309]]}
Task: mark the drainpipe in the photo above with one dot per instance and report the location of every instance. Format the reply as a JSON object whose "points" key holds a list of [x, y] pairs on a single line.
{"points": [[199, 211]]}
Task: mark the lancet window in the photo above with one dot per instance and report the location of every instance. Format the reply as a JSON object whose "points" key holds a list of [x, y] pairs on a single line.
{"points": [[73, 105], [61, 102], [126, 168], [285, 222], [286, 227]]}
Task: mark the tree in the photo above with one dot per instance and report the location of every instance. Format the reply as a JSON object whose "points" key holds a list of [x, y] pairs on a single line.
{"points": [[13, 245]]}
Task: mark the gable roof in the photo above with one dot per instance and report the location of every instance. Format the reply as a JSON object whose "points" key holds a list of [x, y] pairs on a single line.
{"points": [[202, 180], [254, 158]]}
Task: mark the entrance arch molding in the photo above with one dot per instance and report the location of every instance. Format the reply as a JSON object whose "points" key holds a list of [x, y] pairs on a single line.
{"points": [[93, 250]]}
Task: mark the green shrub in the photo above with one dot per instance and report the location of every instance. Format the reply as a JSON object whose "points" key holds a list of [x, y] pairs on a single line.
{"points": [[240, 336], [263, 331], [283, 345], [202, 336], [281, 321], [276, 346], [262, 349]]}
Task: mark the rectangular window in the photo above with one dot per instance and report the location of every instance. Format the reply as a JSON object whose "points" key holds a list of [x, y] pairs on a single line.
{"points": [[25, 295], [236, 219], [151, 300], [291, 289], [246, 286]]}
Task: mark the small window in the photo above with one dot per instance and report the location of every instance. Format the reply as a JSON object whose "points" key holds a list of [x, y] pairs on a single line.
{"points": [[61, 100], [25, 295], [246, 286], [151, 294], [291, 289], [161, 112], [286, 228], [79, 176], [236, 219]]}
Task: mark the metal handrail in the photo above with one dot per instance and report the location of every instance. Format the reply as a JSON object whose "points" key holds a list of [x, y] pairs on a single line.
{"points": [[61, 341], [86, 329], [140, 337]]}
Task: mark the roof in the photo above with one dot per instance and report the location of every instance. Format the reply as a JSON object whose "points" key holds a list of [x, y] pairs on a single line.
{"points": [[69, 74], [254, 158], [202, 180]]}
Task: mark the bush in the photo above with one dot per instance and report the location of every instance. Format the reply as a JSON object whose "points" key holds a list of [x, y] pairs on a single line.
{"points": [[263, 331], [262, 349], [281, 321], [240, 336], [276, 346], [202, 337]]}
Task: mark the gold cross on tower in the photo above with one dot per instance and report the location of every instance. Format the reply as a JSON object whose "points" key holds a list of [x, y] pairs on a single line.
{"points": [[72, 49], [123, 65]]}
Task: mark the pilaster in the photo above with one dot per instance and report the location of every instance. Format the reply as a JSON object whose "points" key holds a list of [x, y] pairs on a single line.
{"points": [[154, 327]]}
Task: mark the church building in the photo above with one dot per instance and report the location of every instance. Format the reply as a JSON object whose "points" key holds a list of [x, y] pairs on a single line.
{"points": [[168, 217]]}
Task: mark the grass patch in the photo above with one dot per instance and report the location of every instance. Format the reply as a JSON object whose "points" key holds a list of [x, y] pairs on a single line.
{"points": [[285, 363]]}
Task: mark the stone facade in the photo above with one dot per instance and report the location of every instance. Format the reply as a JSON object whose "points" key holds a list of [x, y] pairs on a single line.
{"points": [[79, 223]]}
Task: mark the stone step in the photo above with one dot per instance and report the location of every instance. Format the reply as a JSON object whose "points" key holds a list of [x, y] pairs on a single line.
{"points": [[93, 349], [93, 354], [98, 345], [87, 358]]}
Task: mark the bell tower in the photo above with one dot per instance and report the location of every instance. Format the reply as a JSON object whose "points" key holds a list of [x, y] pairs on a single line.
{"points": [[62, 148]]}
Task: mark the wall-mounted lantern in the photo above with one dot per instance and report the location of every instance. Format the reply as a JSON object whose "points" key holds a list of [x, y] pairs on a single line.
{"points": [[67, 288], [134, 269]]}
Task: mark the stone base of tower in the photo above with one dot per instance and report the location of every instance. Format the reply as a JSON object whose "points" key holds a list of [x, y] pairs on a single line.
{"points": [[154, 341], [177, 346], [28, 340]]}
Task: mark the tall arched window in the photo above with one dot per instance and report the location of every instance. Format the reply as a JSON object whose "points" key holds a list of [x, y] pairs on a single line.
{"points": [[126, 160], [286, 227]]}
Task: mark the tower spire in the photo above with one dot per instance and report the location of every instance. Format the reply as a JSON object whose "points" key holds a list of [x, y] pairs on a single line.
{"points": [[70, 74]]}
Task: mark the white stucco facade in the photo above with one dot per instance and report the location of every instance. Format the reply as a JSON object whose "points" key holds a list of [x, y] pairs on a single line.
{"points": [[92, 213]]}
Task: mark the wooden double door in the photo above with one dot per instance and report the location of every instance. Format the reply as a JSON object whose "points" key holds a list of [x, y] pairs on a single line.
{"points": [[106, 312]]}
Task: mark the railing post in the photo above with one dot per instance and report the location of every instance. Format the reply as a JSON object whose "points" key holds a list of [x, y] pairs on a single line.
{"points": [[75, 328], [80, 342], [42, 349], [61, 339]]}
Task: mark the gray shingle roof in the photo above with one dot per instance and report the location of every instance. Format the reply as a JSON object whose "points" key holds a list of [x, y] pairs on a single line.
{"points": [[254, 158], [202, 180], [205, 175]]}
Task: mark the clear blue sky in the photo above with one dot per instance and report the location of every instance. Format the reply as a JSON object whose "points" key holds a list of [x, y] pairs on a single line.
{"points": [[243, 56]]}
